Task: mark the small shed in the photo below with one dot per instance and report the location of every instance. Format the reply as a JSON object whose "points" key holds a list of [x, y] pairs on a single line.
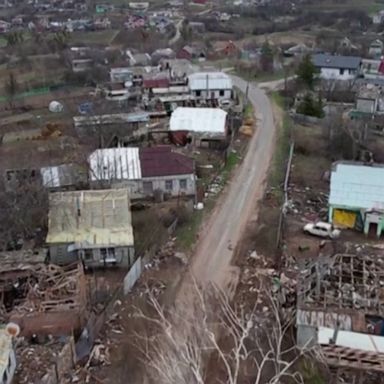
{"points": [[356, 197], [206, 127], [210, 85]]}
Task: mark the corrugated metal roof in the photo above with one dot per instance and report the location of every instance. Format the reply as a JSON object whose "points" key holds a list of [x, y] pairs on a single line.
{"points": [[134, 163], [115, 164], [210, 81], [332, 61], [162, 161], [117, 118], [62, 175], [354, 340], [95, 218], [5, 350], [357, 186], [204, 120]]}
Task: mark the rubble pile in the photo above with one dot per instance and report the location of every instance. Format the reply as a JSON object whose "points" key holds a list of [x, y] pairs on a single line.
{"points": [[354, 281], [39, 287], [215, 187], [307, 203], [34, 360], [257, 275]]}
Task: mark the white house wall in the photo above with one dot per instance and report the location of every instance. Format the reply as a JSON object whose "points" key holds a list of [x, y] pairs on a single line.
{"points": [[159, 184], [335, 74], [212, 94], [136, 187]]}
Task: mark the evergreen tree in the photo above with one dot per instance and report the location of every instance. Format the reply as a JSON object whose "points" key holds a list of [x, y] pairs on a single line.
{"points": [[306, 72], [266, 59]]}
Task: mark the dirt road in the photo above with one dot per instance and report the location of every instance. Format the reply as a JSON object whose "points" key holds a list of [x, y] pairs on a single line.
{"points": [[212, 260], [177, 36]]}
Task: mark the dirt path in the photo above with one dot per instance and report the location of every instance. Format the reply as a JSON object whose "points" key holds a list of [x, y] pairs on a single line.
{"points": [[218, 239], [212, 260]]}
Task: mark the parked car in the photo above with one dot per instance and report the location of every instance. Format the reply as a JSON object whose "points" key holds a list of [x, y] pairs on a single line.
{"points": [[322, 229]]}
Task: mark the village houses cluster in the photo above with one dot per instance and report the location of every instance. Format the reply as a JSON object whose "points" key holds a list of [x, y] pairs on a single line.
{"points": [[110, 165]]}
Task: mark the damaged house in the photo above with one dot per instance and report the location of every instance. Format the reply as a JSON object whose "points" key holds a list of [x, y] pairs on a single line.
{"points": [[43, 299], [340, 309], [92, 226], [144, 171], [356, 197], [202, 127]]}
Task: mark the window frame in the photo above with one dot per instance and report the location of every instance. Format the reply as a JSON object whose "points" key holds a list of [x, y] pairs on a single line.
{"points": [[183, 184], [168, 185]]}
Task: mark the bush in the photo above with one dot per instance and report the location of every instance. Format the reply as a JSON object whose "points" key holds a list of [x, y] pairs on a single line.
{"points": [[310, 107]]}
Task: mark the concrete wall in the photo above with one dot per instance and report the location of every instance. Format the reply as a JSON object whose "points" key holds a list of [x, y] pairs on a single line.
{"points": [[306, 336], [132, 276], [366, 105], [335, 74]]}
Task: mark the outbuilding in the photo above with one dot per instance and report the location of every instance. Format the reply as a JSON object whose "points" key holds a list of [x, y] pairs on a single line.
{"points": [[92, 226], [210, 86], [203, 127], [356, 196]]}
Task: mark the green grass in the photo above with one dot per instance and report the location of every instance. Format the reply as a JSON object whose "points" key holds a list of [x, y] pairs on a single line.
{"points": [[232, 161], [264, 77], [310, 372], [370, 6], [278, 99], [248, 111], [278, 170], [94, 37], [186, 235]]}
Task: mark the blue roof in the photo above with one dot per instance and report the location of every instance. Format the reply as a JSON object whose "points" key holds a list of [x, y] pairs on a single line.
{"points": [[323, 60], [358, 186]]}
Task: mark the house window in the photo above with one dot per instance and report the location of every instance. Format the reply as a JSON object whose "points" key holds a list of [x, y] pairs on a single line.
{"points": [[10, 175], [198, 93], [168, 185], [183, 184], [222, 92], [341, 71], [107, 254], [148, 187], [88, 254]]}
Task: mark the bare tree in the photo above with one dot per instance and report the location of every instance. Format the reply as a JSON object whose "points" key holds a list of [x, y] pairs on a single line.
{"points": [[254, 343], [23, 208], [11, 87]]}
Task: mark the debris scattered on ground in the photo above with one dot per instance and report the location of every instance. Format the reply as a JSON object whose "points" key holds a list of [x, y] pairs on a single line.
{"points": [[34, 360]]}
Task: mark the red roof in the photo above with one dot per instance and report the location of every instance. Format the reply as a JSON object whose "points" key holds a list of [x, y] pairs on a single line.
{"points": [[381, 67], [161, 161], [156, 83]]}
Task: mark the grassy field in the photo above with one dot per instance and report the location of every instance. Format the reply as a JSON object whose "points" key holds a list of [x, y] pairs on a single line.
{"points": [[370, 6], [95, 37]]}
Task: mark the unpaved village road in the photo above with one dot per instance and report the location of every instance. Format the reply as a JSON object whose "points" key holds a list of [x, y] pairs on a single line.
{"points": [[212, 260]]}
